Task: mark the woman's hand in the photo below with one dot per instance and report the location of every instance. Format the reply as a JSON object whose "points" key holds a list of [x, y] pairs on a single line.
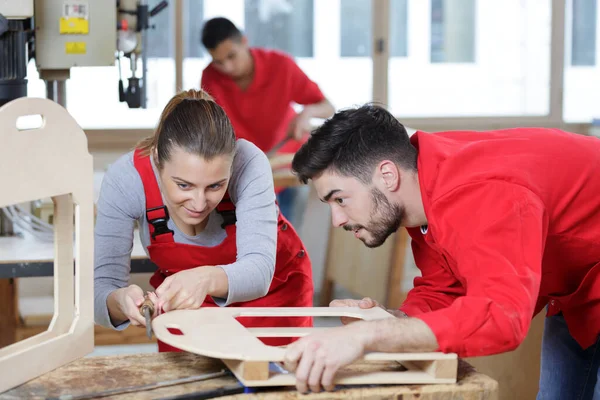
{"points": [[124, 304], [186, 290]]}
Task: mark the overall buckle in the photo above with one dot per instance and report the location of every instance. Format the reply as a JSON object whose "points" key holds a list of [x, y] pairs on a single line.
{"points": [[229, 218], [159, 223]]}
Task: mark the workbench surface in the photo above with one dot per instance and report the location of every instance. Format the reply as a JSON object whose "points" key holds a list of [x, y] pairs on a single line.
{"points": [[26, 256], [95, 374]]}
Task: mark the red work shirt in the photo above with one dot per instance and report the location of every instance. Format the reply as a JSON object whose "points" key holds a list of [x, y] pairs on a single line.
{"points": [[513, 225], [262, 113]]}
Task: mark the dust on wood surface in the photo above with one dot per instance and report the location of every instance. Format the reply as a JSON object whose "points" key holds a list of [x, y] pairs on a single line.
{"points": [[96, 374]]}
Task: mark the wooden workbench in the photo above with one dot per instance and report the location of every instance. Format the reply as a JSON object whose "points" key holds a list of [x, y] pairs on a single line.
{"points": [[94, 374]]}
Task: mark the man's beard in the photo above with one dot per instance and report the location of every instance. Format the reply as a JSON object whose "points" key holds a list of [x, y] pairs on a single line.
{"points": [[385, 220]]}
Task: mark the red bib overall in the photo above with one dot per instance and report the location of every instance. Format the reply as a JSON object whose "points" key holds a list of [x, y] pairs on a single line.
{"points": [[292, 284]]}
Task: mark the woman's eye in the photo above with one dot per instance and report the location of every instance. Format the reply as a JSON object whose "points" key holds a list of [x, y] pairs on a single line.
{"points": [[183, 185], [339, 200], [215, 186]]}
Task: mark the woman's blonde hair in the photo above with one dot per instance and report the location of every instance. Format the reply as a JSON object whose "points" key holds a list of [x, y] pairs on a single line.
{"points": [[193, 121]]}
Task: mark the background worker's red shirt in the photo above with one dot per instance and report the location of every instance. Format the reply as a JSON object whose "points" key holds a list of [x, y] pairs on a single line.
{"points": [[513, 225], [262, 113]]}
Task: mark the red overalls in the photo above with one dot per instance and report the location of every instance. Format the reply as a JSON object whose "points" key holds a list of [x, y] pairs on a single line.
{"points": [[292, 284]]}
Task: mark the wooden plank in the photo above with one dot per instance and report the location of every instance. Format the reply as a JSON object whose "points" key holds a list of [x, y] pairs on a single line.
{"points": [[8, 311], [376, 273], [94, 374], [247, 371], [394, 293]]}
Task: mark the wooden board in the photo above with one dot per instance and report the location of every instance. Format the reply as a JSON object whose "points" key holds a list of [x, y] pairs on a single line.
{"points": [[214, 332], [52, 161], [365, 272], [94, 374], [8, 311]]}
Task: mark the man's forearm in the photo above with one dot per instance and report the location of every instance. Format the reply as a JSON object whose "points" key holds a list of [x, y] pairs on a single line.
{"points": [[322, 109], [399, 335]]}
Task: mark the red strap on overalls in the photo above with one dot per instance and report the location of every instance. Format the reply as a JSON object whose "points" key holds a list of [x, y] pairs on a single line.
{"points": [[157, 214]]}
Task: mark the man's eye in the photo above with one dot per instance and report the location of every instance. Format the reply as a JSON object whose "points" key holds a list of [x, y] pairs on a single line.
{"points": [[183, 185], [339, 200]]}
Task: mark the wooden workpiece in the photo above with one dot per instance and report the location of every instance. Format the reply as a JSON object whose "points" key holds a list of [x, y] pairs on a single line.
{"points": [[52, 161], [95, 374], [214, 332]]}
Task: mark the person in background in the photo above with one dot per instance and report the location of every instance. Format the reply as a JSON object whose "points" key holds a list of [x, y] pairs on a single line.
{"points": [[205, 206], [257, 88]]}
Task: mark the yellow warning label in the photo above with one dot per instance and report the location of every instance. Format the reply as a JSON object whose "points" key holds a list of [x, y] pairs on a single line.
{"points": [[75, 47], [74, 25]]}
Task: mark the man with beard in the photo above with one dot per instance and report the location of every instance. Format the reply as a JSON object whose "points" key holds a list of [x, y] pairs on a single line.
{"points": [[503, 224]]}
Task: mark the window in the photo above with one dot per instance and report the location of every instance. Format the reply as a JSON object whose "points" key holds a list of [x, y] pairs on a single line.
{"points": [[356, 28], [399, 28], [463, 61], [583, 40], [308, 30], [193, 20], [285, 25], [582, 70], [452, 31]]}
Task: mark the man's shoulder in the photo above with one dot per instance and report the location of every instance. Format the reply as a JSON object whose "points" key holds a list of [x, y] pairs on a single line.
{"points": [[209, 72], [273, 56]]}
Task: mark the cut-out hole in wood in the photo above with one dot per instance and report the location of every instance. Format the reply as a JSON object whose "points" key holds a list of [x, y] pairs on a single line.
{"points": [[175, 331], [214, 332], [30, 122], [35, 308]]}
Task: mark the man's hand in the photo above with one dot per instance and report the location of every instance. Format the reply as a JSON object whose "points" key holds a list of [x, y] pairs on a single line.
{"points": [[128, 301], [300, 126], [316, 358], [365, 303], [186, 290]]}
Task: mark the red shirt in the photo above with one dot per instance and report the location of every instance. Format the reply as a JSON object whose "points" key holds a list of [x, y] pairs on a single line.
{"points": [[262, 113], [513, 224]]}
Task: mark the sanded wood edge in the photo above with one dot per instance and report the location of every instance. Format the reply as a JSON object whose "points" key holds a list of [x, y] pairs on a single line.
{"points": [[351, 378], [443, 369], [248, 370]]}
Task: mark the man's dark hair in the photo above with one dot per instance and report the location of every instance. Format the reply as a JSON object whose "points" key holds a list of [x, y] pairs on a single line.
{"points": [[218, 30], [353, 142]]}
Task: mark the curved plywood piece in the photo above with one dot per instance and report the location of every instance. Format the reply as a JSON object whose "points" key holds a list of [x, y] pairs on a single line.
{"points": [[52, 161], [214, 332]]}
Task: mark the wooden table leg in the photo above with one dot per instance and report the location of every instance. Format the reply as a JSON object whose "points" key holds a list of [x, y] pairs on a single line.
{"points": [[8, 311], [394, 296]]}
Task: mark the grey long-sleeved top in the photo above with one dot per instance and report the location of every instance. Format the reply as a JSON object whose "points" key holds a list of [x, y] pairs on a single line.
{"points": [[122, 203]]}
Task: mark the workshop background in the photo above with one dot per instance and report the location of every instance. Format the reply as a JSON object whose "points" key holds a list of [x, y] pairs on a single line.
{"points": [[436, 64]]}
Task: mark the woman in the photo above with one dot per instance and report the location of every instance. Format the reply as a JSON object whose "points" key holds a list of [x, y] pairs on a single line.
{"points": [[205, 207]]}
